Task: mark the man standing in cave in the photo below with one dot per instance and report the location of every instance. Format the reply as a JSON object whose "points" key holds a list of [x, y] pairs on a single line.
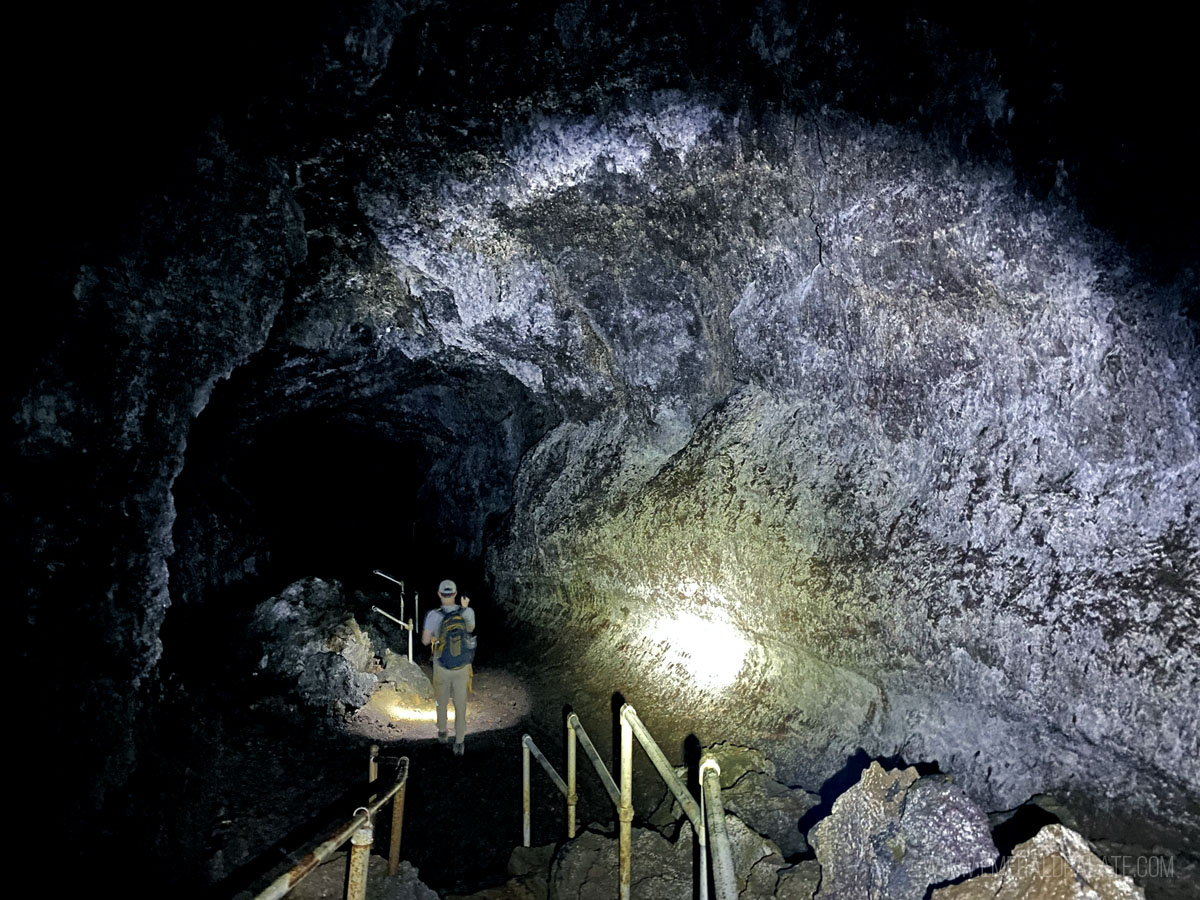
{"points": [[449, 630]]}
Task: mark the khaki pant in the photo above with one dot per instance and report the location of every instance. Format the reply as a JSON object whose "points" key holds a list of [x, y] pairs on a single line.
{"points": [[446, 682]]}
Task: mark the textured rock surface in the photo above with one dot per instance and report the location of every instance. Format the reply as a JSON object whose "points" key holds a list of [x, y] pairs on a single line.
{"points": [[894, 834], [103, 421], [750, 791], [408, 678], [1055, 864], [931, 461], [309, 638], [799, 882], [328, 882]]}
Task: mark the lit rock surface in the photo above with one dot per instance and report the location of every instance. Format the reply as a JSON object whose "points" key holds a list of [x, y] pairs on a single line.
{"points": [[894, 834], [309, 638], [1055, 864], [408, 678], [799, 882], [914, 459]]}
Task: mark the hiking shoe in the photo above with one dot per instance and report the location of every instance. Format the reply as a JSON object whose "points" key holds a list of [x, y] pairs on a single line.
{"points": [[443, 737], [458, 749]]}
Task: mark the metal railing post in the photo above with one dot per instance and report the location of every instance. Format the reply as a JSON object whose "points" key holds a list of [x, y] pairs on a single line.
{"points": [[702, 843], [686, 802], [590, 750], [572, 796], [373, 769], [360, 855], [625, 810], [525, 791], [724, 877], [411, 625], [397, 829], [325, 850]]}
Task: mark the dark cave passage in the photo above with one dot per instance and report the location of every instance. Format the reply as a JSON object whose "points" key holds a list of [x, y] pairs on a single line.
{"points": [[334, 497]]}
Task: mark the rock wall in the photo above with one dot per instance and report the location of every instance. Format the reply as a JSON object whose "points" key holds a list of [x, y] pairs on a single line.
{"points": [[102, 428], [951, 484]]}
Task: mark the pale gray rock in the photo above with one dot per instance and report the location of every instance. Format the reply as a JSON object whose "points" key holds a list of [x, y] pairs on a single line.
{"points": [[894, 834], [408, 677], [586, 868], [1055, 864], [328, 680], [310, 639]]}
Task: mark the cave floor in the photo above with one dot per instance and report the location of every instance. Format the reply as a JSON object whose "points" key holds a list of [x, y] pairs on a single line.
{"points": [[463, 815]]}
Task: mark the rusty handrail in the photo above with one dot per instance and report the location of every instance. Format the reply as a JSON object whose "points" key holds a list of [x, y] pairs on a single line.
{"points": [[283, 885]]}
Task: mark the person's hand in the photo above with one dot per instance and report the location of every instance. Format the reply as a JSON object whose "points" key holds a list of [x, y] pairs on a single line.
{"points": [[466, 601]]}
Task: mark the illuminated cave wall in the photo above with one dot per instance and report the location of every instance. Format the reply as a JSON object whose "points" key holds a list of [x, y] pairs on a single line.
{"points": [[909, 435], [785, 324]]}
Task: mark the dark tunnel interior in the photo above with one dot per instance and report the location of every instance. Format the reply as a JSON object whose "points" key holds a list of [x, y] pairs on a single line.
{"points": [[823, 381]]}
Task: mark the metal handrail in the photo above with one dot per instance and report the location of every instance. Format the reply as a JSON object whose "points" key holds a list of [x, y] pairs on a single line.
{"points": [[531, 747], [589, 748], [411, 624], [707, 816], [690, 807], [360, 832], [528, 747]]}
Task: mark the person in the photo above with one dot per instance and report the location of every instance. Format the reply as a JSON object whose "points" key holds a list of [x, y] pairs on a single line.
{"points": [[449, 679]]}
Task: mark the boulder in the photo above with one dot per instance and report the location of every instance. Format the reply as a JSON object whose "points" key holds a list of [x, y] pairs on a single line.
{"points": [[799, 882], [310, 638], [328, 882], [1055, 864], [409, 680], [329, 680], [894, 834], [586, 868]]}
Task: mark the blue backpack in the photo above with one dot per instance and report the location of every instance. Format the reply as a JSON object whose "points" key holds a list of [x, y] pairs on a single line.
{"points": [[455, 646]]}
